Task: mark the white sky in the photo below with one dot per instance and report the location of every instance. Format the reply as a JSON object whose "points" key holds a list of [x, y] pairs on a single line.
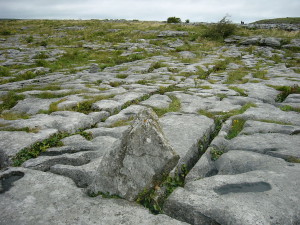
{"points": [[194, 10]]}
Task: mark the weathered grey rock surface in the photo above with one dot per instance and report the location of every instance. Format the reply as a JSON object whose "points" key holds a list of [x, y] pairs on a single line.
{"points": [[34, 197], [257, 197], [140, 162]]}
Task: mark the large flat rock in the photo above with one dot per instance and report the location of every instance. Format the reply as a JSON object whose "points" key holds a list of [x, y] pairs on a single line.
{"points": [[34, 197], [64, 121], [186, 132], [13, 142], [278, 145], [256, 197]]}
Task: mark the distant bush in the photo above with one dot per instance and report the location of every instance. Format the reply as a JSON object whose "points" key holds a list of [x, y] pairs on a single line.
{"points": [[221, 30], [187, 21], [173, 20]]}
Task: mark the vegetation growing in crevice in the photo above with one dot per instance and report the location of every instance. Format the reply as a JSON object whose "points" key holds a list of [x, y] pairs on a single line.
{"points": [[104, 195], [156, 65], [236, 127], [215, 154], [288, 108], [10, 100], [239, 90], [86, 106], [285, 91], [174, 106], [121, 123], [151, 199], [36, 149], [223, 116]]}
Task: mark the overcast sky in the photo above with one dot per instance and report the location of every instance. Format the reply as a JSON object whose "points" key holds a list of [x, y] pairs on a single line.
{"points": [[194, 10]]}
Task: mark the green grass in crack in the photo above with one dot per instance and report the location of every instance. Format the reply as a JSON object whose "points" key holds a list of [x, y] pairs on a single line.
{"points": [[288, 108], [10, 100], [4, 72], [239, 90], [260, 74], [215, 154], [149, 197], [285, 91], [223, 116], [236, 127], [237, 76], [174, 106], [156, 65], [86, 106], [49, 95], [36, 149]]}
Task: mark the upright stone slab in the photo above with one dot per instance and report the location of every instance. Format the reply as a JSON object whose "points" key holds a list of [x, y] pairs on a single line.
{"points": [[139, 162]]}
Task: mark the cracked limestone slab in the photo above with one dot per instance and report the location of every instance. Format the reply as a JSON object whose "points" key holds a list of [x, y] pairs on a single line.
{"points": [[11, 142], [63, 121], [34, 197], [271, 113], [140, 162], [256, 197], [157, 101], [32, 106], [277, 145], [185, 132], [110, 106]]}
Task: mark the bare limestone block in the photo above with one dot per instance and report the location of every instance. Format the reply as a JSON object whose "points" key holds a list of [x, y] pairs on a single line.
{"points": [[140, 162]]}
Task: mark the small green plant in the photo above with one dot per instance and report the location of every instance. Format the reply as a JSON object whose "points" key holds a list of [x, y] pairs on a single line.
{"points": [[293, 159], [236, 77], [41, 55], [274, 121], [155, 65], [104, 195], [43, 43], [122, 76], [41, 63], [36, 149], [215, 154], [289, 108], [172, 182], [115, 83], [174, 106], [223, 116], [10, 100], [121, 123], [236, 127], [4, 72], [26, 129], [97, 82], [149, 197], [260, 74], [14, 116], [239, 90], [87, 135], [187, 21], [173, 20], [5, 32], [49, 95], [86, 106], [29, 39], [285, 91]]}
